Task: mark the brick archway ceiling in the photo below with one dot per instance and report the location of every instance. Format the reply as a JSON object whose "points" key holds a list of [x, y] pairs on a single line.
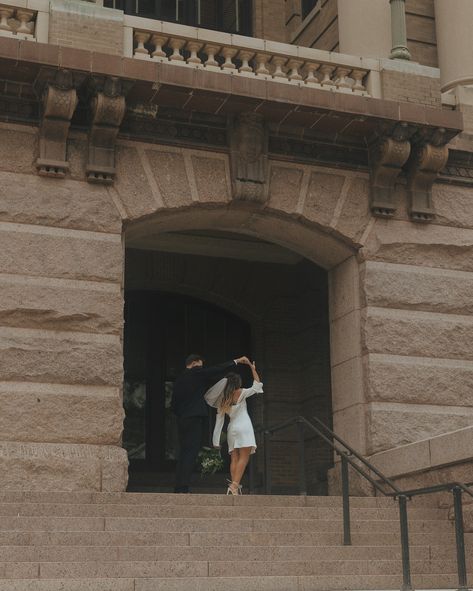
{"points": [[193, 106]]}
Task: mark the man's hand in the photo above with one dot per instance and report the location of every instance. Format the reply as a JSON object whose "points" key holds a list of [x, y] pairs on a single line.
{"points": [[243, 360]]}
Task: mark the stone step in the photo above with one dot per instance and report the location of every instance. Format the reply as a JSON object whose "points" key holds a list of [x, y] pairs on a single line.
{"points": [[221, 552], [132, 539], [272, 583], [127, 510], [188, 525], [216, 568], [202, 500]]}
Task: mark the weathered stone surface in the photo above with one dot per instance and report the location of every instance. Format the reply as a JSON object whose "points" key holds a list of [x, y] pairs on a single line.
{"points": [[468, 518], [391, 425], [345, 337], [34, 199], [61, 467], [322, 197], [51, 252], [419, 380], [423, 245], [132, 184], [455, 473], [284, 187], [423, 288], [355, 213], [420, 334], [18, 148], [171, 177], [58, 304], [344, 288], [60, 357], [453, 205], [53, 413], [211, 179], [77, 154]]}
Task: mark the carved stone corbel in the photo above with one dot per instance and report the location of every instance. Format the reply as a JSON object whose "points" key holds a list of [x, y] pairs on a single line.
{"points": [[387, 157], [59, 103], [249, 157], [107, 106], [428, 157]]}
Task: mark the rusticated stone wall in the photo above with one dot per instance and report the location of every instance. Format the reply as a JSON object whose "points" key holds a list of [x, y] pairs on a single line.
{"points": [[400, 298]]}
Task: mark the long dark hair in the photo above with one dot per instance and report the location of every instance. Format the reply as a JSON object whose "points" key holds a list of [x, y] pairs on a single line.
{"points": [[226, 399]]}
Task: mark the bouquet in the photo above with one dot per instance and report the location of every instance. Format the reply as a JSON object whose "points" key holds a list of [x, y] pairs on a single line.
{"points": [[210, 460]]}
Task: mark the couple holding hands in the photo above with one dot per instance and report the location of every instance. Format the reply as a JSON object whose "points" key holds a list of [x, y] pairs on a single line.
{"points": [[222, 389]]}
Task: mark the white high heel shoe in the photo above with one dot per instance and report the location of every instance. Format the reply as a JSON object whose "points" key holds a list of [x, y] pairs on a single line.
{"points": [[233, 488]]}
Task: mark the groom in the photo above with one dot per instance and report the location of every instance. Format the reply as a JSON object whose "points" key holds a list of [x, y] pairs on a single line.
{"points": [[191, 409]]}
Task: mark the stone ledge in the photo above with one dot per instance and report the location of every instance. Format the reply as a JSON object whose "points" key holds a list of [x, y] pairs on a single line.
{"points": [[62, 467], [451, 448]]}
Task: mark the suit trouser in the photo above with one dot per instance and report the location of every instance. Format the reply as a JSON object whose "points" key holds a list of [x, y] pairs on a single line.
{"points": [[191, 431]]}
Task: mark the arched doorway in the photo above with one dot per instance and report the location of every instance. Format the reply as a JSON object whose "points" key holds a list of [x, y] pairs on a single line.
{"points": [[274, 303]]}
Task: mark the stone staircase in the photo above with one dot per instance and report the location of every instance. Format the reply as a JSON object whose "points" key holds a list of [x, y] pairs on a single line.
{"points": [[165, 542]]}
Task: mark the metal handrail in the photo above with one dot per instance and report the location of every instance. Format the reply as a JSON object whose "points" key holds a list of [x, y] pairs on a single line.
{"points": [[348, 457]]}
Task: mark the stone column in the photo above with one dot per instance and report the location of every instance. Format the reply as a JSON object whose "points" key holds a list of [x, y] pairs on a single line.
{"points": [[398, 30], [365, 27], [453, 22]]}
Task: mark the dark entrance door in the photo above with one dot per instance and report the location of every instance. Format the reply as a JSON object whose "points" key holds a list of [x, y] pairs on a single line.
{"points": [[160, 330]]}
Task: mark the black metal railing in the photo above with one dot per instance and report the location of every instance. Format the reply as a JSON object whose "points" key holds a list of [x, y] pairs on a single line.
{"points": [[385, 486]]}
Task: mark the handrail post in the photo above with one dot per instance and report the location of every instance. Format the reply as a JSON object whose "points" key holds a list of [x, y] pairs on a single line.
{"points": [[406, 562], [267, 462], [302, 473], [460, 537], [346, 502]]}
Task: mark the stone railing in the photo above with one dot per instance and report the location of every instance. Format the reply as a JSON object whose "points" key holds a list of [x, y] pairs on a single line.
{"points": [[17, 22], [246, 56]]}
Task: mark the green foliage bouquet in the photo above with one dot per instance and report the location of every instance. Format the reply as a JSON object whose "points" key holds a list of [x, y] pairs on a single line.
{"points": [[210, 460]]}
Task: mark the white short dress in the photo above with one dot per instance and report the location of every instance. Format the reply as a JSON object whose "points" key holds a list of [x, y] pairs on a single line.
{"points": [[240, 431]]}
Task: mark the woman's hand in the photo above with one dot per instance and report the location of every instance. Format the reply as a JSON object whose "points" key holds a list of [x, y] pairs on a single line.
{"points": [[243, 360]]}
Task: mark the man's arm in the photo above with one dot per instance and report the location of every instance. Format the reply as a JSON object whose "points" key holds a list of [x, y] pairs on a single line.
{"points": [[216, 370]]}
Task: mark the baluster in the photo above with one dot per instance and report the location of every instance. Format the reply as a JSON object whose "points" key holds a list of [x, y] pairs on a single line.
{"points": [[210, 51], [5, 15], [279, 62], [245, 56], [311, 78], [176, 45], [294, 66], [229, 53], [327, 72], [262, 62], [358, 76], [159, 41], [25, 17], [141, 51], [342, 82], [194, 47]]}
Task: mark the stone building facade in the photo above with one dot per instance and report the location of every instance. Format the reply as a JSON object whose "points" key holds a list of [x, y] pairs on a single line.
{"points": [[310, 180]]}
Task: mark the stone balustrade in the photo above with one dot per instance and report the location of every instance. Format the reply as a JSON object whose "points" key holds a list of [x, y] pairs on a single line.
{"points": [[245, 56], [17, 22]]}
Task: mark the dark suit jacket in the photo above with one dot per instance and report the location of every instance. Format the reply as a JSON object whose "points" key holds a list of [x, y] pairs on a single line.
{"points": [[190, 387]]}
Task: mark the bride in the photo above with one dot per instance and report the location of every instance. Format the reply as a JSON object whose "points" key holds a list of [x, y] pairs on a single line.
{"points": [[228, 397]]}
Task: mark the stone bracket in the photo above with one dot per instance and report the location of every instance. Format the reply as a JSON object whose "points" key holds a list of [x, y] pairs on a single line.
{"points": [[106, 98], [249, 157], [429, 156], [59, 97], [387, 157]]}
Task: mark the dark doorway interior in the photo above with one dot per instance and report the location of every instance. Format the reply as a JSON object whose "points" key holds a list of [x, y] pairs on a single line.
{"points": [[160, 330]]}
